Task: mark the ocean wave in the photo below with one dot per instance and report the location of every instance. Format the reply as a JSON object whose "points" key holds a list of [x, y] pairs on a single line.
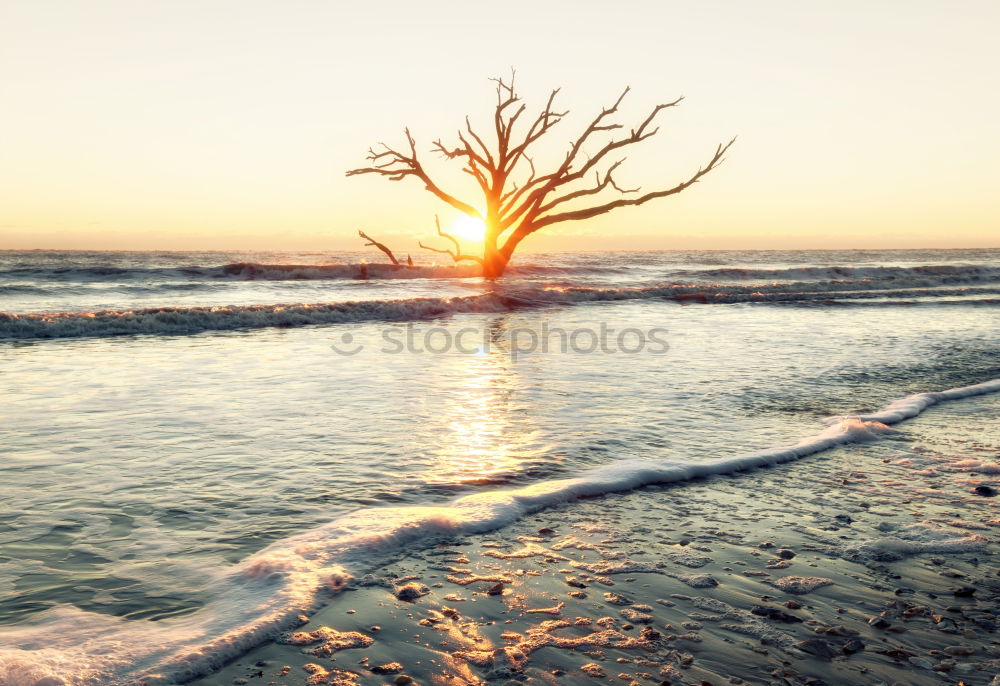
{"points": [[240, 271], [191, 320], [252, 271], [265, 594], [937, 302], [943, 274], [65, 290], [22, 289]]}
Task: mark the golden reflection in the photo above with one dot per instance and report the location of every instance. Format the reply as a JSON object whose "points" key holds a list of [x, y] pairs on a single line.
{"points": [[482, 439]]}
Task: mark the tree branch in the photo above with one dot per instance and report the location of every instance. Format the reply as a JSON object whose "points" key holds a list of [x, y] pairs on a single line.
{"points": [[514, 194], [601, 184], [586, 213], [396, 166], [533, 205], [545, 120], [456, 254], [380, 246]]}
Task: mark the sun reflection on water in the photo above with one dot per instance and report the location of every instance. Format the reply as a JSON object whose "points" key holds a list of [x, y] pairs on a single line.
{"points": [[484, 441]]}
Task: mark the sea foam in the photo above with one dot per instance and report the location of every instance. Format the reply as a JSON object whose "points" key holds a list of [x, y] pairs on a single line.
{"points": [[922, 537]]}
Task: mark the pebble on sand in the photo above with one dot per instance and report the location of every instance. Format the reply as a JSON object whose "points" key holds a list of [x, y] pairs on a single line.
{"points": [[800, 585], [411, 591], [699, 580], [388, 668]]}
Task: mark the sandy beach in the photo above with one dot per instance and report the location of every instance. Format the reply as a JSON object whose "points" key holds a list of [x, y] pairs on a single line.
{"points": [[875, 566]]}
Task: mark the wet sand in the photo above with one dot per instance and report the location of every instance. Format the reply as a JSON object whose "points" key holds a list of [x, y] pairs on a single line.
{"points": [[869, 564]]}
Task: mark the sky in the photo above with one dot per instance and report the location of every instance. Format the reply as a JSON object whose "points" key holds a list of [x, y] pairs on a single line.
{"points": [[218, 124]]}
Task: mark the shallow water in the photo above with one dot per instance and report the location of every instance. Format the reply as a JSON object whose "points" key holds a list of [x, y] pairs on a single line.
{"points": [[139, 469], [871, 518]]}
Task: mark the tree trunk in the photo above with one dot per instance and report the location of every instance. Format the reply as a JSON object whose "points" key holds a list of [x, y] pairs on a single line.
{"points": [[494, 263], [494, 260]]}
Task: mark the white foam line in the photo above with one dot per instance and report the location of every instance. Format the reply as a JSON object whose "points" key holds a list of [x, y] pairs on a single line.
{"points": [[627, 475], [912, 405], [265, 593]]}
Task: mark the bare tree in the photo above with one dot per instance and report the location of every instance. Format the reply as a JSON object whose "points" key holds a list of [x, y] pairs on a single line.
{"points": [[519, 200]]}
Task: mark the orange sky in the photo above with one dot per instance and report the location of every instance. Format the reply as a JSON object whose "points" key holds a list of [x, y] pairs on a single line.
{"points": [[133, 124]]}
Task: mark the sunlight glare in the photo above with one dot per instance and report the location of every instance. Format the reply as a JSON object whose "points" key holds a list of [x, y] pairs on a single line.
{"points": [[468, 228]]}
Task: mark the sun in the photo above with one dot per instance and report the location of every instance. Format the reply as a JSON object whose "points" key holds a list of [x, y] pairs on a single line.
{"points": [[468, 228]]}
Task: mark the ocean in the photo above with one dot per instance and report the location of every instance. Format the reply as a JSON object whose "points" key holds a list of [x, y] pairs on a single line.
{"points": [[199, 447]]}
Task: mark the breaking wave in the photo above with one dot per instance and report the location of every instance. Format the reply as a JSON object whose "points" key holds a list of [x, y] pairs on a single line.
{"points": [[266, 593], [252, 271], [243, 271], [191, 320], [944, 273]]}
